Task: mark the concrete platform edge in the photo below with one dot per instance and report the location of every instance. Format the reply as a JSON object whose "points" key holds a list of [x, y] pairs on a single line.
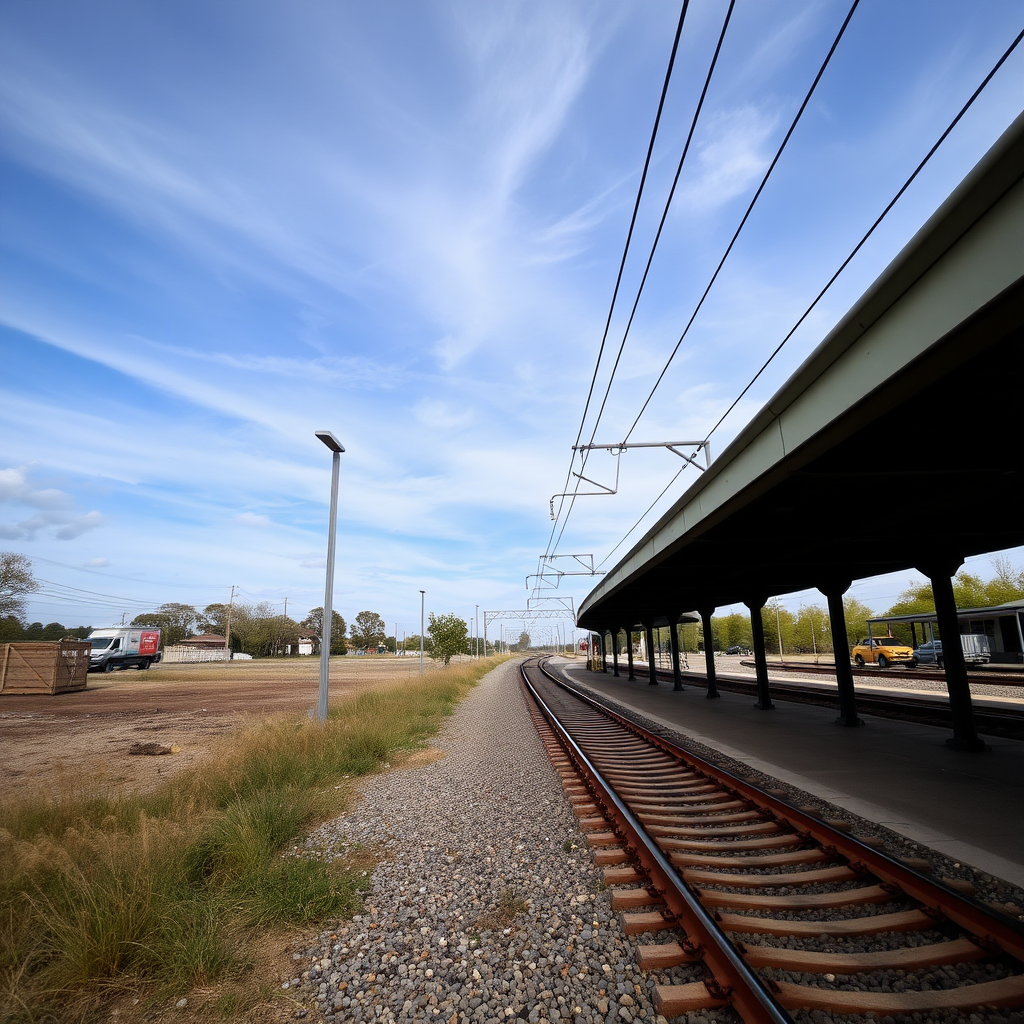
{"points": [[956, 849]]}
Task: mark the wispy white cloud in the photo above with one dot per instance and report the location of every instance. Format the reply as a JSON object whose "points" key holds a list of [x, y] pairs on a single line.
{"points": [[730, 158], [56, 514]]}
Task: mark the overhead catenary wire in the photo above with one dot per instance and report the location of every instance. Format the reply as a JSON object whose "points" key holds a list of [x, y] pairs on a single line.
{"points": [[664, 217], [757, 194], [625, 250], [803, 106], [871, 230], [878, 220]]}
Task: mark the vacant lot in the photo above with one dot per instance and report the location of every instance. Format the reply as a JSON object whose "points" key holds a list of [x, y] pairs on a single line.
{"points": [[71, 738]]}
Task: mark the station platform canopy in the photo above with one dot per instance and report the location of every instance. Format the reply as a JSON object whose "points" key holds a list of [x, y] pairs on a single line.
{"points": [[895, 445]]}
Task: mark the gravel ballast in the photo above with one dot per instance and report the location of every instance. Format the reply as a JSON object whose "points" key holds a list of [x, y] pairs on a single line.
{"points": [[487, 906]]}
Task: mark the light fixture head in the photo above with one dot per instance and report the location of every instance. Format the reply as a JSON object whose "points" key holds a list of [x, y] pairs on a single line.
{"points": [[330, 440]]}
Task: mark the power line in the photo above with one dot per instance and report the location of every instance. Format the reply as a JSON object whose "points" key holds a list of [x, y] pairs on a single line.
{"points": [[664, 215], [892, 202], [917, 170], [746, 215], [629, 236], [725, 256], [130, 579]]}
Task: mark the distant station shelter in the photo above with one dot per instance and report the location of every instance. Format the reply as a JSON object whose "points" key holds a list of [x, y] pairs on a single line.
{"points": [[1001, 625]]}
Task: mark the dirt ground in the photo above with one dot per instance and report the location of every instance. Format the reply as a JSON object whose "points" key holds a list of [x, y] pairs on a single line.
{"points": [[73, 737]]}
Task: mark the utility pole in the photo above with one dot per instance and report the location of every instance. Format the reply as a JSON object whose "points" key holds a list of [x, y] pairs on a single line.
{"points": [[476, 630], [227, 629], [422, 600], [286, 607]]}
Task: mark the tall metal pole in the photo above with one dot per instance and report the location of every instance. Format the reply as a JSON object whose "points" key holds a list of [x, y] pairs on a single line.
{"points": [[423, 598], [325, 638], [476, 630]]}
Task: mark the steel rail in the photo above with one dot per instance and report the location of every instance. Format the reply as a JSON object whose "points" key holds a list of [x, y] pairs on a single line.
{"points": [[972, 915], [736, 981]]}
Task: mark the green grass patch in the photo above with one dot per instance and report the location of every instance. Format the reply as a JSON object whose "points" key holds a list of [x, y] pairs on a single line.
{"points": [[99, 893]]}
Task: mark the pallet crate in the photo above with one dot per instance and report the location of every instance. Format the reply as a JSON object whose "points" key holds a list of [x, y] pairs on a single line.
{"points": [[59, 667]]}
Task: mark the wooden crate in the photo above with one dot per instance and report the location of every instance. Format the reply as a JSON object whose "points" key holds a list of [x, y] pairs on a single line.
{"points": [[58, 667]]}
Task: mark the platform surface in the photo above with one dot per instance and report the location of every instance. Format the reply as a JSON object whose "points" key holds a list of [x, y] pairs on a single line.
{"points": [[899, 774]]}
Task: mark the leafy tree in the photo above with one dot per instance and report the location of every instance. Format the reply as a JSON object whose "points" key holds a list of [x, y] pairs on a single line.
{"points": [[16, 583], [214, 619], [368, 630], [313, 624], [1008, 584], [772, 622], [811, 631], [12, 629], [448, 635], [258, 629], [176, 622], [732, 630], [412, 643]]}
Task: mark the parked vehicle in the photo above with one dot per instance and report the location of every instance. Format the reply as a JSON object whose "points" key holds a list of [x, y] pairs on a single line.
{"points": [[883, 651], [123, 647], [929, 653], [975, 647], [737, 649]]}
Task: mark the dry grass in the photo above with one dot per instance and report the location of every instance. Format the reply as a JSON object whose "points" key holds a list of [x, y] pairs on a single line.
{"points": [[163, 890]]}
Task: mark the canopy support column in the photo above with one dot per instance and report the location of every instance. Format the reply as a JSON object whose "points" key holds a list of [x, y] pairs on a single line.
{"points": [[833, 592], [764, 693], [965, 736], [652, 669], [673, 639], [709, 652]]}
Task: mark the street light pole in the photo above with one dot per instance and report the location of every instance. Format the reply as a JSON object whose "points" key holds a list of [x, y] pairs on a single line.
{"points": [[422, 605], [476, 630], [325, 632]]}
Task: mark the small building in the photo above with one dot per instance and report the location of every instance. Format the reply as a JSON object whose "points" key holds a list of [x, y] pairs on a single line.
{"points": [[204, 640]]}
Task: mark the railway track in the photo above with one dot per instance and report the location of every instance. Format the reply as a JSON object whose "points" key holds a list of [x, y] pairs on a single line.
{"points": [[785, 913], [918, 707]]}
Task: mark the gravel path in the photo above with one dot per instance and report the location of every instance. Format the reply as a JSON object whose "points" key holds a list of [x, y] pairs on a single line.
{"points": [[487, 907]]}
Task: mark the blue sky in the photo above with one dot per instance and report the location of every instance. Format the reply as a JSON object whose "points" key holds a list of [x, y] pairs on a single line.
{"points": [[225, 226]]}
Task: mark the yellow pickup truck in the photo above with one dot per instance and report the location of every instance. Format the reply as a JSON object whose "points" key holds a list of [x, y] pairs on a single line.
{"points": [[883, 651]]}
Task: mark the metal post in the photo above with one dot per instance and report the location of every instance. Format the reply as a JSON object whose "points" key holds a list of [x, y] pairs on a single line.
{"points": [[476, 629], [965, 736], [673, 642], [604, 652], [841, 652], [615, 652], [778, 629], [709, 652], [325, 631], [764, 694], [629, 654], [422, 599], [652, 669]]}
